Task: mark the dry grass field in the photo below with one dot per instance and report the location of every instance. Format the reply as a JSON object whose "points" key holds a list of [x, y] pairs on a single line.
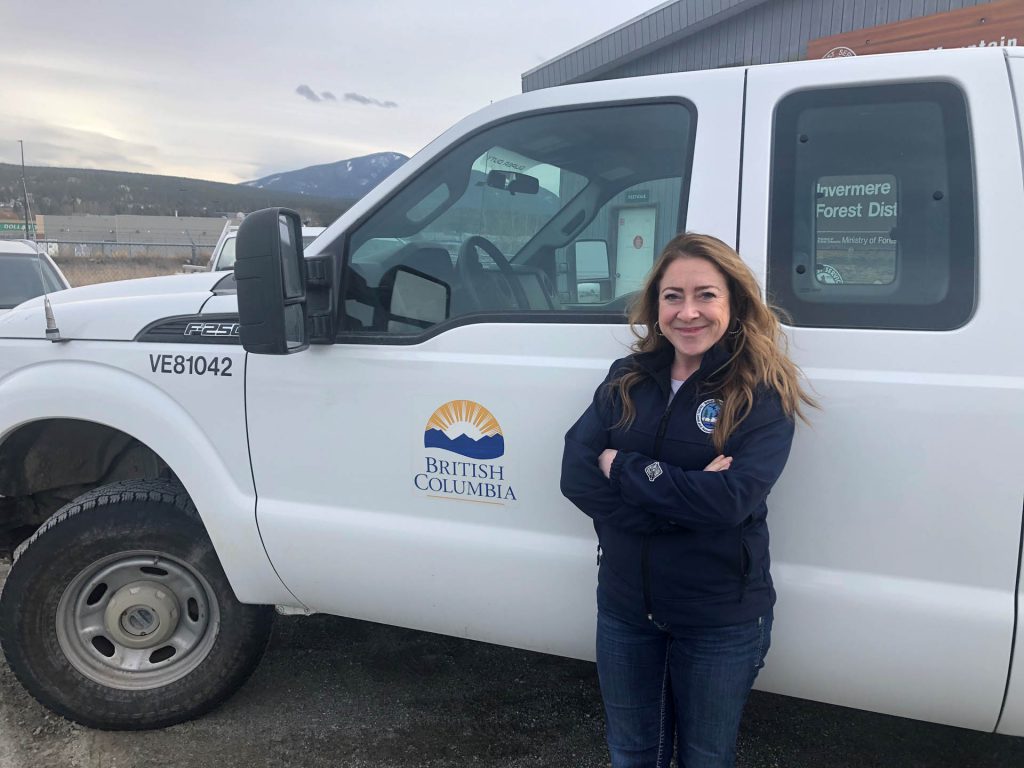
{"points": [[90, 270]]}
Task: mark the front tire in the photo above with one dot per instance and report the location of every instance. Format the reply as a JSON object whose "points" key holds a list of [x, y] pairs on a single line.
{"points": [[118, 615]]}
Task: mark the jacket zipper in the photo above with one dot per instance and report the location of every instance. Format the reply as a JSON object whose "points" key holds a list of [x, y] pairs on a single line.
{"points": [[645, 547]]}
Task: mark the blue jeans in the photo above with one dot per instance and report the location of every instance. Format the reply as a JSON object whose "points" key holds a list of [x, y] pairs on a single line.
{"points": [[689, 685]]}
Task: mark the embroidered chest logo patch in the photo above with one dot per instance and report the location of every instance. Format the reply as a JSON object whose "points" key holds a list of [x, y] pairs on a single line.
{"points": [[653, 471], [707, 415]]}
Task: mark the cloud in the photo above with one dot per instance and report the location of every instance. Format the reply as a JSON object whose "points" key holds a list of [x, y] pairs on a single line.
{"points": [[367, 101], [54, 145]]}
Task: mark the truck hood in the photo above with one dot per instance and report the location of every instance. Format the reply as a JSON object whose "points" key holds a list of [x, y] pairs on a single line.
{"points": [[117, 311]]}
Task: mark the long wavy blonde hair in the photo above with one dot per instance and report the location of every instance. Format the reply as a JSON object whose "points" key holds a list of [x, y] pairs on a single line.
{"points": [[758, 348]]}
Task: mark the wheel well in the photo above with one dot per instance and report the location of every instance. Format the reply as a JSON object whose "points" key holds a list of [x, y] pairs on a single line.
{"points": [[45, 464]]}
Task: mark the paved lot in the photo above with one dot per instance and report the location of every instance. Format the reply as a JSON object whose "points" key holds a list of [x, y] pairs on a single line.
{"points": [[342, 693]]}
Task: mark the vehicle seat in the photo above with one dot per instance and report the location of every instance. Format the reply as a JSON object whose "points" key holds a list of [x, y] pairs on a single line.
{"points": [[436, 262]]}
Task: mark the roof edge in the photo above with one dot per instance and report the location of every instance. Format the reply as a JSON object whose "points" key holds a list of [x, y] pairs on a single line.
{"points": [[691, 11], [602, 36]]}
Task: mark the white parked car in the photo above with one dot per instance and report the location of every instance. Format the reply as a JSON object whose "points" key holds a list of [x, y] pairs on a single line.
{"points": [[26, 272]]}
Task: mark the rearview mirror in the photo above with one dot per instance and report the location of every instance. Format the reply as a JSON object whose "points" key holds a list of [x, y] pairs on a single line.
{"points": [[514, 183], [270, 273]]}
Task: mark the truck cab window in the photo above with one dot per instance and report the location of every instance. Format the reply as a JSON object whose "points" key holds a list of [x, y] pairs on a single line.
{"points": [[555, 212], [872, 203]]}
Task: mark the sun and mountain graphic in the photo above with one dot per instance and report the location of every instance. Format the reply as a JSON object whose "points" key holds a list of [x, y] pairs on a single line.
{"points": [[465, 428]]}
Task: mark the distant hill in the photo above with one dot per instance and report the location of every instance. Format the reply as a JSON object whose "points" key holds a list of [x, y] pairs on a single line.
{"points": [[346, 179], [67, 191]]}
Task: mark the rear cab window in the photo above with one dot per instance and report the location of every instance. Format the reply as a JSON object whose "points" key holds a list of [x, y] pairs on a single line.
{"points": [[873, 208]]}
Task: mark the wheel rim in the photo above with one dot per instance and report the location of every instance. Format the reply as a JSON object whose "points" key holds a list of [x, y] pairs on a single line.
{"points": [[137, 620]]}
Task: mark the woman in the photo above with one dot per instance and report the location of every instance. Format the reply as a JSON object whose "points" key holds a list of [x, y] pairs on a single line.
{"points": [[673, 460]]}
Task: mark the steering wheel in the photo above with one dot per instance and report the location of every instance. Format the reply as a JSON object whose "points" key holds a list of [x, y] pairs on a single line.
{"points": [[471, 273]]}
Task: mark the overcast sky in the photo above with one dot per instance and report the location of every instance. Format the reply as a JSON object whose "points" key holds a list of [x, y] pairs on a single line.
{"points": [[235, 90]]}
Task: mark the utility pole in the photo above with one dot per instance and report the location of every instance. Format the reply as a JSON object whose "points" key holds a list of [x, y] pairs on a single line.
{"points": [[24, 187]]}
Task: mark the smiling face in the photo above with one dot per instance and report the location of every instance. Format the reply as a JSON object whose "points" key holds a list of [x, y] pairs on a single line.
{"points": [[693, 310]]}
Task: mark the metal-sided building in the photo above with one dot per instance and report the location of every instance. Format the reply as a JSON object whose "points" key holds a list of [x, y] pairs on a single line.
{"points": [[684, 35]]}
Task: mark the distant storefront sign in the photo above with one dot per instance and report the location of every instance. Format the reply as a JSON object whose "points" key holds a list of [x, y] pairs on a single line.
{"points": [[991, 25], [638, 196], [16, 226]]}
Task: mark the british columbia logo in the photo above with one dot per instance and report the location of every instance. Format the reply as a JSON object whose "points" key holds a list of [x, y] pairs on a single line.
{"points": [[463, 428], [707, 415]]}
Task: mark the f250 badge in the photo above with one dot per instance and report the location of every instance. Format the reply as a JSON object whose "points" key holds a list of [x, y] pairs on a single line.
{"points": [[211, 329]]}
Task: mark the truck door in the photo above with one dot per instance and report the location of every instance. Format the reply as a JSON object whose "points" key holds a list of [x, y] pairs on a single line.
{"points": [[897, 524], [409, 473]]}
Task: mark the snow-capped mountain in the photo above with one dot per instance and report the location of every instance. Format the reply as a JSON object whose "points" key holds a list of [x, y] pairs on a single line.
{"points": [[349, 179]]}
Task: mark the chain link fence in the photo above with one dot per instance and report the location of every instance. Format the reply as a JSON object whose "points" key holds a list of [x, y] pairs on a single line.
{"points": [[85, 262]]}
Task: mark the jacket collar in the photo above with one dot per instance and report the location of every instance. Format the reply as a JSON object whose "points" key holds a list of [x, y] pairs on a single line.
{"points": [[658, 363]]}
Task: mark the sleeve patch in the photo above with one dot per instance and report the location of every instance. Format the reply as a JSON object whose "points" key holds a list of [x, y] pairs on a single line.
{"points": [[653, 471]]}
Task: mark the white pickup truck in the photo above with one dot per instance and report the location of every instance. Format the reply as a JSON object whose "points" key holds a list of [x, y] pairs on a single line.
{"points": [[223, 256], [374, 429]]}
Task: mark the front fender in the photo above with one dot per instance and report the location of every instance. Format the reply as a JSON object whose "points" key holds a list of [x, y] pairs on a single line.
{"points": [[199, 434]]}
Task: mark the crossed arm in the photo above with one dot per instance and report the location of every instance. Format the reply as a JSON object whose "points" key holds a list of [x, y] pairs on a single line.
{"points": [[612, 486]]}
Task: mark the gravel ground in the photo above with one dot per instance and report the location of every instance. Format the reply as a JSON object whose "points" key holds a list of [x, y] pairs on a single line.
{"points": [[343, 693]]}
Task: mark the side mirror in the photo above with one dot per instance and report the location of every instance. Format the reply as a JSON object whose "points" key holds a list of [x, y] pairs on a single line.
{"points": [[589, 293], [417, 300], [591, 270], [270, 273]]}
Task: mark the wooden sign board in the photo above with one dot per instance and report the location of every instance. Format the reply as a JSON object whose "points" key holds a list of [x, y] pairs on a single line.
{"points": [[989, 25]]}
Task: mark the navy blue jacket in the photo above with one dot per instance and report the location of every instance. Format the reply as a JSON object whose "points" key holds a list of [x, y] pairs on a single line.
{"points": [[677, 544]]}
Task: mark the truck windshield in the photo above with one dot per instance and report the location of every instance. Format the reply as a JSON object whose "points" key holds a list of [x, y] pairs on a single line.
{"points": [[23, 277], [511, 220], [227, 255]]}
